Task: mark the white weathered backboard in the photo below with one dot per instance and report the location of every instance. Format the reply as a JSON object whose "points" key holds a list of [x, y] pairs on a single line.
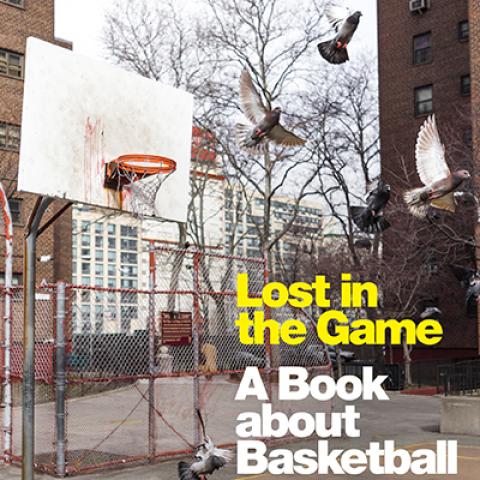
{"points": [[80, 113]]}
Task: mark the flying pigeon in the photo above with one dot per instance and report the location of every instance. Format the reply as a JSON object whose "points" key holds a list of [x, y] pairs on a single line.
{"points": [[431, 313], [267, 123], [434, 173], [345, 24], [370, 219], [469, 279], [208, 458]]}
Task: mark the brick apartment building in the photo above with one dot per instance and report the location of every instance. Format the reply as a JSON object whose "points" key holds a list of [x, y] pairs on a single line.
{"points": [[424, 67], [20, 19], [475, 73]]}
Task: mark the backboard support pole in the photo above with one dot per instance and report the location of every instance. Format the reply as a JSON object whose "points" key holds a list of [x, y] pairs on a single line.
{"points": [[28, 400]]}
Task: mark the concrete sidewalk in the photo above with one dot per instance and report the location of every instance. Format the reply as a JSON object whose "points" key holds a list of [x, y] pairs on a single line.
{"points": [[412, 421]]}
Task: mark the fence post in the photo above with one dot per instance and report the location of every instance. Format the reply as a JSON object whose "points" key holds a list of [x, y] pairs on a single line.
{"points": [[268, 346], [7, 332], [196, 347], [152, 430], [60, 381]]}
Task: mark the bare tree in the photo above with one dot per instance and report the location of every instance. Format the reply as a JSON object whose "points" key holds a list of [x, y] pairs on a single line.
{"points": [[254, 35]]}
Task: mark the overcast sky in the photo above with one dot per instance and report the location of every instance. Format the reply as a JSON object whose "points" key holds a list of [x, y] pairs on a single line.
{"points": [[81, 22]]}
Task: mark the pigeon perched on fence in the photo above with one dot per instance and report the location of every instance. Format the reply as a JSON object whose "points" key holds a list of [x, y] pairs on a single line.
{"points": [[469, 279], [434, 173], [370, 219], [345, 24], [266, 122], [208, 458]]}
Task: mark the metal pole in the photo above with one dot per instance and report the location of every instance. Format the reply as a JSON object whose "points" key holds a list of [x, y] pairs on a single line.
{"points": [[152, 433], [7, 338], [196, 347], [60, 381], [268, 346], [28, 412]]}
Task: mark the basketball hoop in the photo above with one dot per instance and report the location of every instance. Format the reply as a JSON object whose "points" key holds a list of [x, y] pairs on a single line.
{"points": [[139, 177]]}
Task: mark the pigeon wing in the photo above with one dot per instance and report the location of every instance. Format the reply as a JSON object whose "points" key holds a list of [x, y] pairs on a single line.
{"points": [[430, 154], [282, 136], [447, 202], [250, 101], [370, 197], [225, 455], [336, 15], [185, 472]]}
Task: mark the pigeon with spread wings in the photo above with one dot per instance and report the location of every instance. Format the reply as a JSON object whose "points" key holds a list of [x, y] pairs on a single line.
{"points": [[266, 123], [434, 173], [345, 24], [208, 458], [370, 219]]}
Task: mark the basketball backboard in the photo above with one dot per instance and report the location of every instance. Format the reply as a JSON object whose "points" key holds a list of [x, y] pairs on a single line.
{"points": [[80, 114]]}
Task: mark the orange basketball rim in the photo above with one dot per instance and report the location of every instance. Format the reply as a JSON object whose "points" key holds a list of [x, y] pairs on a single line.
{"points": [[132, 167]]}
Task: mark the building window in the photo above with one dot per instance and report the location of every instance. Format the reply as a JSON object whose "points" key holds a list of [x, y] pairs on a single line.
{"points": [[85, 240], [465, 88], [16, 210], [127, 231], [11, 64], [463, 31], [9, 137], [128, 283], [126, 244], [16, 3], [422, 48], [128, 258], [424, 100]]}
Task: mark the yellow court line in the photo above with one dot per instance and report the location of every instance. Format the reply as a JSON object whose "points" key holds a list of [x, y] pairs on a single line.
{"points": [[250, 477], [426, 444]]}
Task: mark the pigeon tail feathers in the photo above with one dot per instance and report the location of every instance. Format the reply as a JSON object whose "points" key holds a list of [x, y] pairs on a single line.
{"points": [[417, 201], [245, 140], [366, 222], [331, 53], [185, 473]]}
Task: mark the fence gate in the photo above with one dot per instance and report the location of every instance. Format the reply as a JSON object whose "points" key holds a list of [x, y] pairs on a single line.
{"points": [[121, 372]]}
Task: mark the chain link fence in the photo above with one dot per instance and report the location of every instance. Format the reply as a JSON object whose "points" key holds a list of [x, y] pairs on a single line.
{"points": [[139, 363]]}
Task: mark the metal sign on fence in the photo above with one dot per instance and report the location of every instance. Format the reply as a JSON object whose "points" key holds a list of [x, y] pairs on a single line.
{"points": [[176, 328]]}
